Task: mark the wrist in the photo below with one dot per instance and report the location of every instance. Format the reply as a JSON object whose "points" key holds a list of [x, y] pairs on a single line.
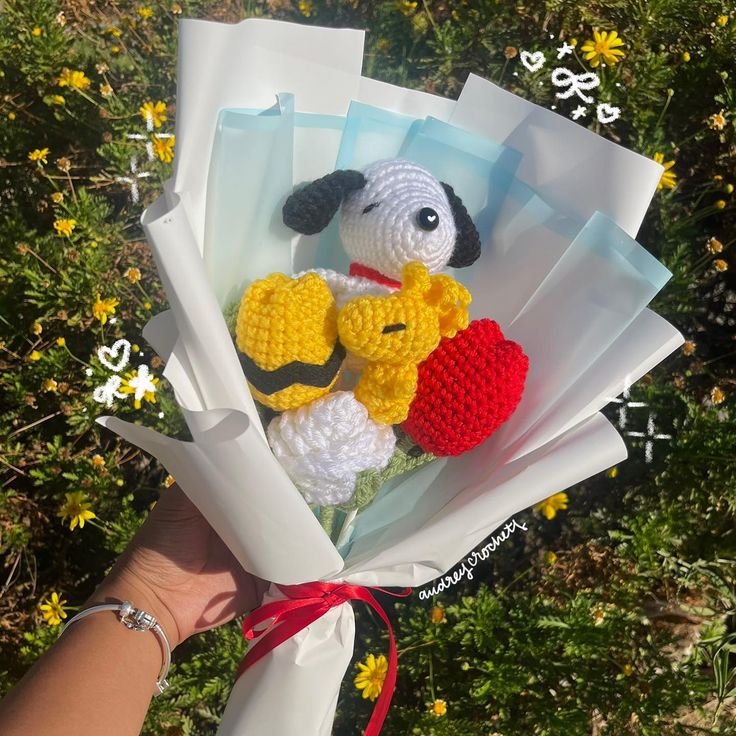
{"points": [[122, 585]]}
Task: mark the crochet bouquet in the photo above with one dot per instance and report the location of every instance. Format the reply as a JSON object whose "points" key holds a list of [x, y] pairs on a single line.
{"points": [[394, 321]]}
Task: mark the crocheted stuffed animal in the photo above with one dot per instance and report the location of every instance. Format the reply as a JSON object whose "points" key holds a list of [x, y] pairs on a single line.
{"points": [[286, 332], [395, 333], [393, 213]]}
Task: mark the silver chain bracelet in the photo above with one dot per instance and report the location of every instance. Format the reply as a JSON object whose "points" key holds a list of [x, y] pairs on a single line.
{"points": [[136, 620]]}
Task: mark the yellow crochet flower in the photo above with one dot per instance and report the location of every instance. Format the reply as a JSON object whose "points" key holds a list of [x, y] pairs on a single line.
{"points": [[603, 47], [53, 610], [76, 509], [550, 506], [372, 675]]}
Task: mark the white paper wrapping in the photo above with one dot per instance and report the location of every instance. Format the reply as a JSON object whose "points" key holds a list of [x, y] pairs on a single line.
{"points": [[544, 276]]}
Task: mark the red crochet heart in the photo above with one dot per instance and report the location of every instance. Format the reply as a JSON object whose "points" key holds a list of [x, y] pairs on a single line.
{"points": [[468, 387]]}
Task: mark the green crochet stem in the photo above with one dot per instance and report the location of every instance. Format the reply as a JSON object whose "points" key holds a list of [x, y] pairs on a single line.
{"points": [[370, 482]]}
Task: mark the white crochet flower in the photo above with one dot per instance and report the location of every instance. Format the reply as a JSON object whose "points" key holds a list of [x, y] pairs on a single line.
{"points": [[324, 445]]}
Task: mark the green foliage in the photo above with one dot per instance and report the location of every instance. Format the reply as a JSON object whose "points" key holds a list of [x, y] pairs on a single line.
{"points": [[616, 616]]}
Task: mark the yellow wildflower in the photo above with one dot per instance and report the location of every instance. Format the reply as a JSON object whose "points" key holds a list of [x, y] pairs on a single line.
{"points": [[688, 347], [65, 227], [53, 610], [717, 121], [106, 90], [627, 669], [612, 472], [603, 47], [686, 56], [164, 148], [147, 306], [133, 275], [34, 356], [58, 100], [103, 307], [74, 79], [511, 52], [372, 675], [36, 31], [405, 7], [11, 116], [668, 179], [98, 461], [57, 197], [141, 384], [721, 204], [39, 155], [50, 385], [598, 615], [64, 164], [306, 8], [76, 509], [115, 32], [438, 708], [550, 506], [720, 265], [153, 112], [437, 615], [550, 557], [717, 395], [61, 342], [722, 20], [114, 49], [176, 8], [714, 246], [144, 13], [36, 328]]}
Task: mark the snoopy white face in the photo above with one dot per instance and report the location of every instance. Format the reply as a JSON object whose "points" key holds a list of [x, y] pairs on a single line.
{"points": [[401, 215]]}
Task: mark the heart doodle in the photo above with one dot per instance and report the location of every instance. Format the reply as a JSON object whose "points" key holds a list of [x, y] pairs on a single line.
{"points": [[607, 113], [120, 352], [533, 62]]}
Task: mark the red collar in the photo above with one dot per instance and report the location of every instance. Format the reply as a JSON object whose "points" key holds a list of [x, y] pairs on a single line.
{"points": [[357, 269]]}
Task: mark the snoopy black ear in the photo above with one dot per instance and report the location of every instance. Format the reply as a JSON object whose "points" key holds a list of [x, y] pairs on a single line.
{"points": [[467, 242], [310, 210]]}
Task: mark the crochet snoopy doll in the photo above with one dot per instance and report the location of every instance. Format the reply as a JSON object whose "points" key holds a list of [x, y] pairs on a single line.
{"points": [[393, 213], [401, 227]]}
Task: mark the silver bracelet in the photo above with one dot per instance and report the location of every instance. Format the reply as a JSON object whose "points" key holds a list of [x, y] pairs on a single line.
{"points": [[136, 620]]}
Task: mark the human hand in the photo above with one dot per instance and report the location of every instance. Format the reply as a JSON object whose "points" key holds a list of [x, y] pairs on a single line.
{"points": [[179, 570]]}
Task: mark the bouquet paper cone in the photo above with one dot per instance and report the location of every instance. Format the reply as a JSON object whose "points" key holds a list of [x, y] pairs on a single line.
{"points": [[560, 271]]}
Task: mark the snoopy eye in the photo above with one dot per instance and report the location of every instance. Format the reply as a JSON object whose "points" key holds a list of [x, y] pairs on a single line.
{"points": [[428, 219], [393, 328]]}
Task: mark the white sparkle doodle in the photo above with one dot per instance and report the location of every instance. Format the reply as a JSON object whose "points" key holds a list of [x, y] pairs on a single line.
{"points": [[108, 392], [142, 383], [133, 179], [562, 77], [116, 356], [607, 113], [579, 112], [564, 50], [650, 435], [532, 62]]}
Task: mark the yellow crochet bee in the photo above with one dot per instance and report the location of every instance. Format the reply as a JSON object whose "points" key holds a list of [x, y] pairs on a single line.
{"points": [[286, 331], [397, 332]]}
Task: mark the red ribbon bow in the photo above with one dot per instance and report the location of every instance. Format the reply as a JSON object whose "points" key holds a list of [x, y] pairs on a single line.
{"points": [[303, 605]]}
